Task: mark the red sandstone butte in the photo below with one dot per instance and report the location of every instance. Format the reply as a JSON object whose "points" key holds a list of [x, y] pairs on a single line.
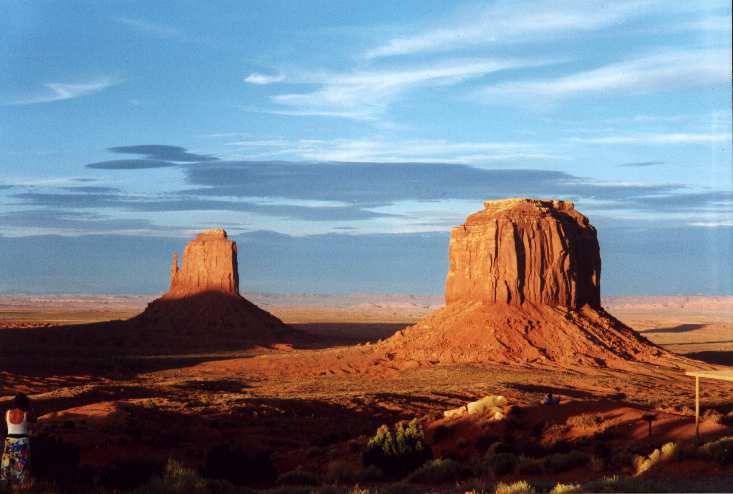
{"points": [[203, 307], [525, 250], [523, 288], [209, 264]]}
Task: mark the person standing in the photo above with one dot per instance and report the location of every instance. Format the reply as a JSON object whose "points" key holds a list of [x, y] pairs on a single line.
{"points": [[17, 453]]}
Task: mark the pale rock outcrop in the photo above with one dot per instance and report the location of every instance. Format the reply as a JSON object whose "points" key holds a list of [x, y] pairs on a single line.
{"points": [[491, 407], [525, 250]]}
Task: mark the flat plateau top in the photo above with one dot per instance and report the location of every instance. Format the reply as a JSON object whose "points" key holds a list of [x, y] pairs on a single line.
{"points": [[725, 375]]}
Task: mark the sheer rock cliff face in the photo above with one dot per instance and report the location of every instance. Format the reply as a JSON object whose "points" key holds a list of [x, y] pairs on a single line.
{"points": [[520, 251], [209, 264]]}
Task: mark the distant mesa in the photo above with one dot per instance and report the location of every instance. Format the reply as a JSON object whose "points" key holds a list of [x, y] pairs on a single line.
{"points": [[523, 287], [203, 306]]}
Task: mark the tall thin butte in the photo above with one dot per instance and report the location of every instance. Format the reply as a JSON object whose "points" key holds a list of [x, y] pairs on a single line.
{"points": [[203, 308], [523, 287]]}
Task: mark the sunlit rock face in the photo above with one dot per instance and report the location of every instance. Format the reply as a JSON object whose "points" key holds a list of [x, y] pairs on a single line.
{"points": [[519, 251], [209, 265]]}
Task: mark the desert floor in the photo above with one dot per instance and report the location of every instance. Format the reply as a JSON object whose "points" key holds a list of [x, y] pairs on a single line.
{"points": [[309, 413]]}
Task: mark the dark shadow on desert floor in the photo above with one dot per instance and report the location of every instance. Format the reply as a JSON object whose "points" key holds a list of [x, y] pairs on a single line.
{"points": [[714, 358], [195, 422], [108, 365], [531, 388], [349, 333], [682, 328]]}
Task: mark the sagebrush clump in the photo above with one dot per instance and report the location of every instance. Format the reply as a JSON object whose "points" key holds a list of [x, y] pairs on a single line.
{"points": [[560, 462], [436, 472], [720, 451], [400, 453], [499, 464]]}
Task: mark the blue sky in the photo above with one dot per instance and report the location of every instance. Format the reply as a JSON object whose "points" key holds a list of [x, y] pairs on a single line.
{"points": [[339, 142]]}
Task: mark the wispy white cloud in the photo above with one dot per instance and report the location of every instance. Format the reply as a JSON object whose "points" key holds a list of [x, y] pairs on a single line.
{"points": [[713, 224], [261, 79], [709, 24], [667, 70], [366, 93], [156, 30], [515, 22], [61, 91], [366, 150], [671, 138]]}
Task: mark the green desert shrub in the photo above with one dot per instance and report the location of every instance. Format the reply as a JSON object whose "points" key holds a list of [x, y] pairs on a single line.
{"points": [[340, 472], [231, 463], [615, 484], [397, 454], [474, 486], [436, 472], [534, 450], [562, 462], [585, 421], [297, 477], [671, 451], [566, 489], [175, 480], [530, 466], [521, 487], [499, 464], [360, 490], [622, 458], [720, 451], [668, 452], [550, 428], [712, 415]]}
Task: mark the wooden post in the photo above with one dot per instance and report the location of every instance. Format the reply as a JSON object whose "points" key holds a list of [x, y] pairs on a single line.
{"points": [[649, 417], [697, 407]]}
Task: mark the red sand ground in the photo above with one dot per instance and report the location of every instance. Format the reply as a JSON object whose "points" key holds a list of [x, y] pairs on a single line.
{"points": [[118, 406]]}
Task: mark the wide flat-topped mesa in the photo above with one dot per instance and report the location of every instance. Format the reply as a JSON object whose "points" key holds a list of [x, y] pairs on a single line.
{"points": [[209, 264], [523, 288], [525, 250]]}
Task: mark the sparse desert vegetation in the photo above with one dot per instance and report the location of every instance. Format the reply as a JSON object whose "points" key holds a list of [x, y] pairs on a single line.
{"points": [[168, 422]]}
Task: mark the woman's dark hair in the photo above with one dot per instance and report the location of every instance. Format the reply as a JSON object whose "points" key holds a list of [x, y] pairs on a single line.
{"points": [[21, 401]]}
